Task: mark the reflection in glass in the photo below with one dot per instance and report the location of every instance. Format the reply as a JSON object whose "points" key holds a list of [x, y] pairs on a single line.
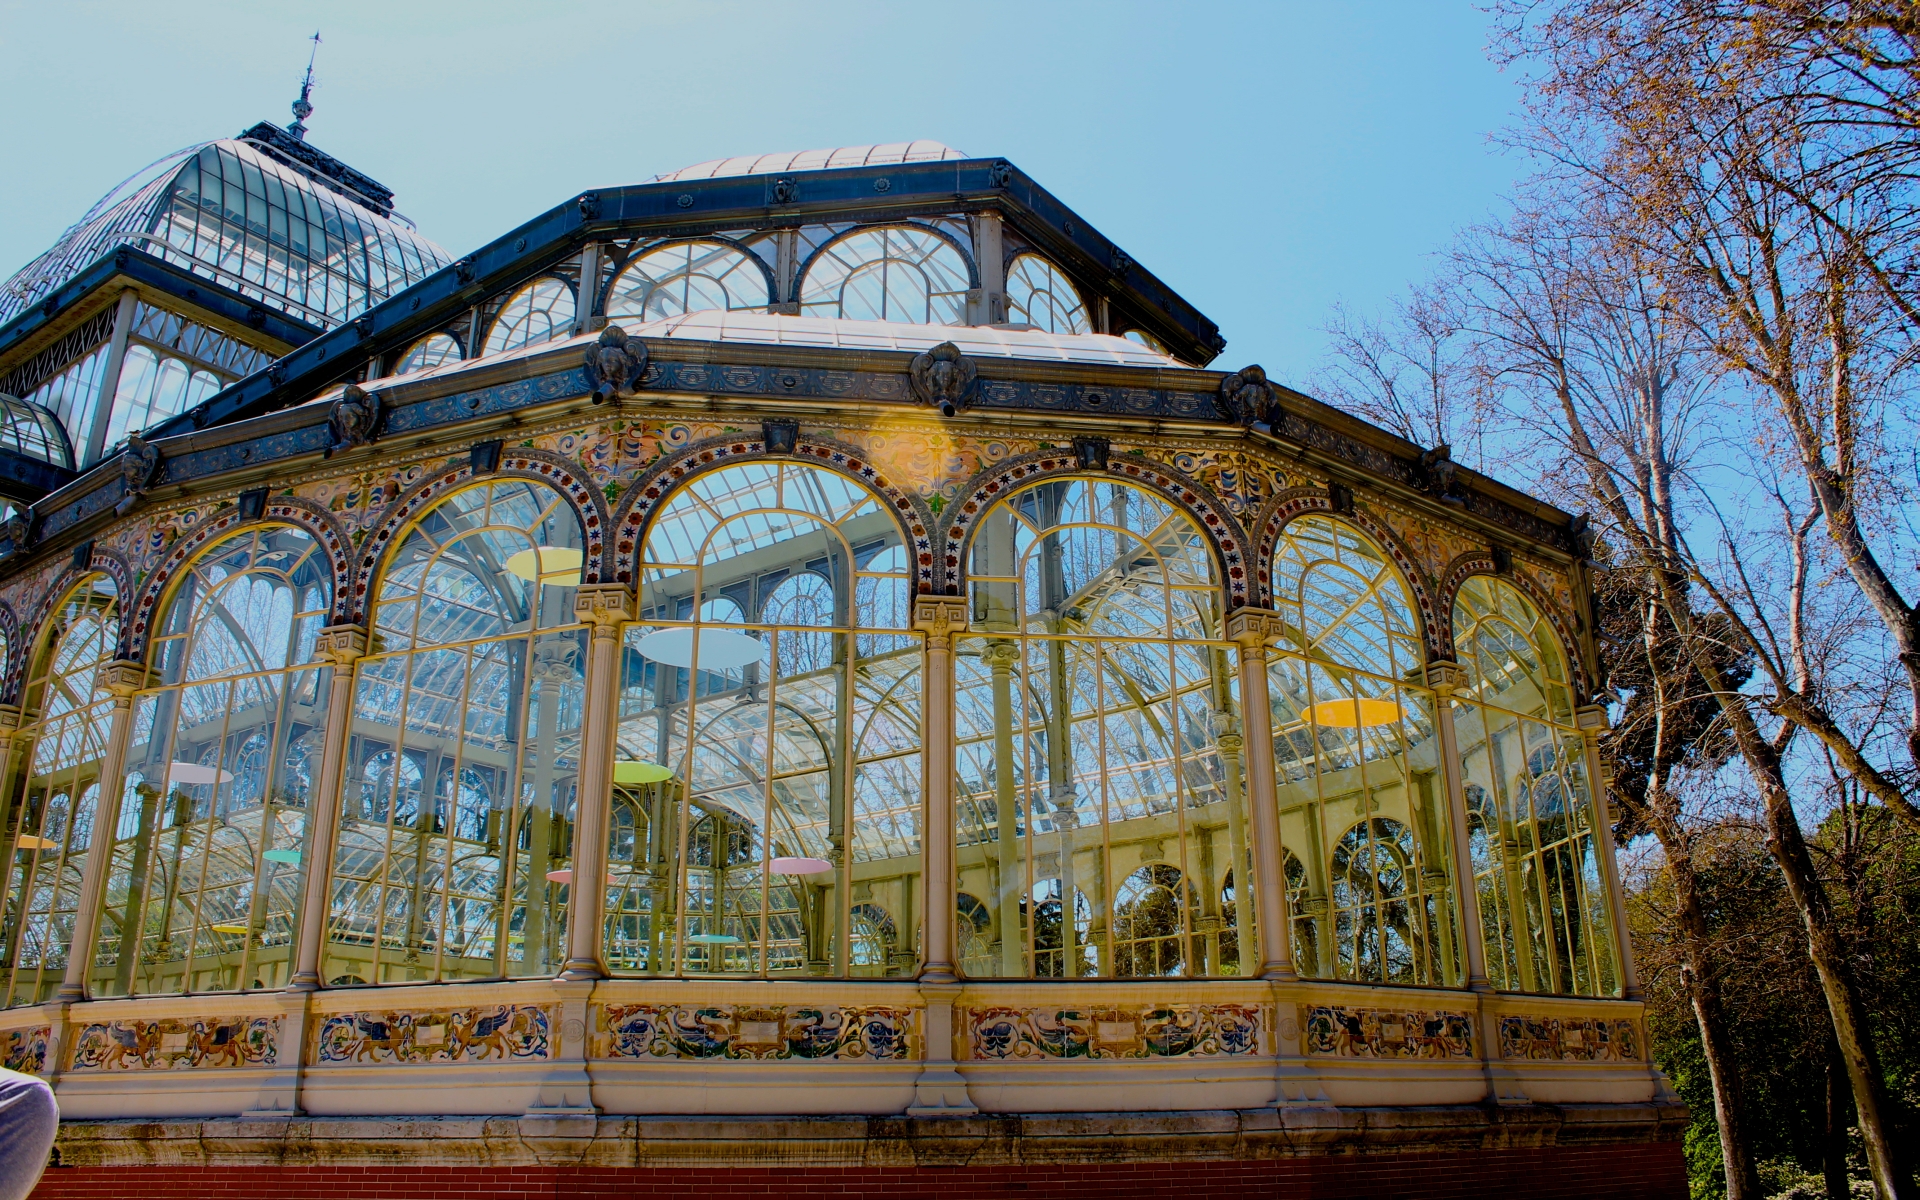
{"points": [[894, 273], [1363, 798], [773, 673], [684, 277], [52, 825], [434, 350], [210, 855], [454, 856], [539, 312], [1530, 818], [1099, 807], [1038, 294]]}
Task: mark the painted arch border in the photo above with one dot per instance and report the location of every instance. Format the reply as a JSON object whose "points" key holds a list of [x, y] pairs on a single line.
{"points": [[1289, 506], [651, 490], [102, 562], [535, 466], [1224, 536], [280, 510], [1480, 562]]}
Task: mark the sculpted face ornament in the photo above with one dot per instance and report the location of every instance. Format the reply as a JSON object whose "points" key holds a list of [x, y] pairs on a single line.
{"points": [[944, 378], [1439, 466], [139, 463], [614, 365], [1247, 397], [19, 529], [354, 418]]}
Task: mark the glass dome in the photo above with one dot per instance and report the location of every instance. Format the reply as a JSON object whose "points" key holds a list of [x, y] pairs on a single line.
{"points": [[234, 212], [35, 432]]}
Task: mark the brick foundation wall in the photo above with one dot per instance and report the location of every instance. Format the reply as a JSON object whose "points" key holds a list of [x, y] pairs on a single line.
{"points": [[1651, 1172]]}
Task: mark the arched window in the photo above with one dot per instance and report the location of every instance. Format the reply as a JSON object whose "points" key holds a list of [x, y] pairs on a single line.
{"points": [[61, 790], [1542, 889], [975, 934], [454, 858], [539, 312], [211, 851], [1038, 294], [153, 387], [1355, 734], [684, 277], [1143, 338], [893, 273], [434, 350], [770, 692], [1091, 691], [1154, 917]]}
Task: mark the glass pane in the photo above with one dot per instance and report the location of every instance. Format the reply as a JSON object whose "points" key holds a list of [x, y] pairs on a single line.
{"points": [[896, 273], [454, 858], [1100, 815], [766, 809]]}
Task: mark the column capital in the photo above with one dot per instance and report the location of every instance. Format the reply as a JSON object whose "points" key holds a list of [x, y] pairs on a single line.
{"points": [[1445, 676], [1255, 627], [10, 719], [604, 605], [340, 644], [123, 677], [1592, 719], [940, 616]]}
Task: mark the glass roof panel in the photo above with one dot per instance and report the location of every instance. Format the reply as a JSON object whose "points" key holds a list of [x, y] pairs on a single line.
{"points": [[815, 160]]}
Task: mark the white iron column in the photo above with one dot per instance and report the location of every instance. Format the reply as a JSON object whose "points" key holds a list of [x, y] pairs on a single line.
{"points": [[343, 646], [1253, 629], [1446, 678], [606, 607], [1592, 719], [123, 679], [940, 618]]}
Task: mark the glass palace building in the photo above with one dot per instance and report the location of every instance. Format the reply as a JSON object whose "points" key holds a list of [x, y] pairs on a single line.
{"points": [[798, 663]]}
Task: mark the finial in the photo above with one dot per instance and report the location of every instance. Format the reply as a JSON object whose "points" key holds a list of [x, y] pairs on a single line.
{"points": [[302, 109]]}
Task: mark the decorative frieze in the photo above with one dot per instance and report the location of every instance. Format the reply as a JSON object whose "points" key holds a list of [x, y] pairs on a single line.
{"points": [[1574, 1039], [1342, 1032], [1146, 1031], [487, 1033], [25, 1050], [870, 1033], [174, 1044]]}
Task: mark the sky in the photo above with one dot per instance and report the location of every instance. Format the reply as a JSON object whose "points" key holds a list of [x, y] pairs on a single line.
{"points": [[1267, 160]]}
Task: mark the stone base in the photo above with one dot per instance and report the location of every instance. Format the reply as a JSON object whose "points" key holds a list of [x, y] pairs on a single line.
{"points": [[1540, 1150]]}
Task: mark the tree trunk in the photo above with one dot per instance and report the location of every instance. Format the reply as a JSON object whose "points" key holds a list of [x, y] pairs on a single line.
{"points": [[1833, 1151], [1825, 945], [1709, 1013]]}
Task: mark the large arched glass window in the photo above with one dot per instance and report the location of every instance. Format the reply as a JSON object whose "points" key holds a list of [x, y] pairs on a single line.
{"points": [[53, 823], [153, 387], [455, 853], [1530, 817], [434, 350], [768, 772], [894, 273], [1038, 294], [539, 312], [211, 849], [1363, 798], [1097, 811], [685, 277]]}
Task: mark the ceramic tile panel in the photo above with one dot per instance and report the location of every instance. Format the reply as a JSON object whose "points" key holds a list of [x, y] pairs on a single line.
{"points": [[1152, 1031], [1344, 1032], [173, 1044], [1582, 1039], [737, 1031], [486, 1033], [25, 1050]]}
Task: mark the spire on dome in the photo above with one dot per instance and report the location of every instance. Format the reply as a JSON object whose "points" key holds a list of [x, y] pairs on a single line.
{"points": [[303, 108]]}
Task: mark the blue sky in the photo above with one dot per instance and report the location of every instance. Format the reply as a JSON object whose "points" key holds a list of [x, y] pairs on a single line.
{"points": [[1267, 160]]}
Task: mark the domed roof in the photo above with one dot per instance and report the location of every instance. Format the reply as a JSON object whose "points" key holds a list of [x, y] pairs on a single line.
{"points": [[263, 214], [816, 160]]}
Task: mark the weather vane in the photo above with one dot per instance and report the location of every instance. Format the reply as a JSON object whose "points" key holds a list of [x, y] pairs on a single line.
{"points": [[302, 109]]}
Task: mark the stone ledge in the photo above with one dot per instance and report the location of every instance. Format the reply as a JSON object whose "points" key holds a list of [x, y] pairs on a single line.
{"points": [[857, 1141]]}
